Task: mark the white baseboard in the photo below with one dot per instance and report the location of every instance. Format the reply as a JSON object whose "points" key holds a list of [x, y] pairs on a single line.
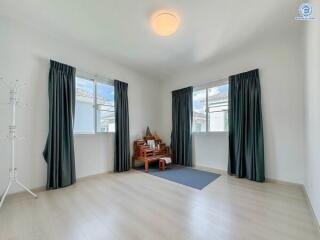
{"points": [[315, 219], [43, 188], [210, 169], [224, 172], [272, 180]]}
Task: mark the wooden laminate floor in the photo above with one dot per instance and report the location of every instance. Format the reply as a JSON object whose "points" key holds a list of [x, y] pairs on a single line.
{"points": [[136, 205]]}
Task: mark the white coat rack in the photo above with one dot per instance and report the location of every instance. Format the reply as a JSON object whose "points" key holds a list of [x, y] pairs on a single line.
{"points": [[12, 137]]}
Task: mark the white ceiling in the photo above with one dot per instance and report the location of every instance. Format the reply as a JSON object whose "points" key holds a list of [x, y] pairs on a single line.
{"points": [[120, 29]]}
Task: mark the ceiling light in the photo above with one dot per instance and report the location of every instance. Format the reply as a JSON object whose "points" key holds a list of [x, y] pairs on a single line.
{"points": [[164, 22]]}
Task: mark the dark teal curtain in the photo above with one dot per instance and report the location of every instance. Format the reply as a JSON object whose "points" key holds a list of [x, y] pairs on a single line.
{"points": [[122, 138], [181, 135], [59, 149], [246, 147]]}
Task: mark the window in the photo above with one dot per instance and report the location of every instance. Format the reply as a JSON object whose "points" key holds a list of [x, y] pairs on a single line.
{"points": [[210, 108], [105, 108], [199, 111], [218, 108], [84, 116], [94, 111]]}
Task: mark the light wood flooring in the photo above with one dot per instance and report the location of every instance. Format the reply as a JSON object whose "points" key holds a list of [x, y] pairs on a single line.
{"points": [[136, 205]]}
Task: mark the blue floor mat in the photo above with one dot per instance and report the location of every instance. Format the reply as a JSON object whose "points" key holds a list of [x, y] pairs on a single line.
{"points": [[185, 175]]}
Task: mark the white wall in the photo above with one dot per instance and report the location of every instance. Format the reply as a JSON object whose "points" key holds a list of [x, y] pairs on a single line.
{"points": [[24, 55], [211, 150], [313, 110], [280, 60]]}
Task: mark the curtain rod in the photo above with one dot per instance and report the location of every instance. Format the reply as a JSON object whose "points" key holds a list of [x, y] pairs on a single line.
{"points": [[86, 73], [216, 82], [210, 84], [82, 73]]}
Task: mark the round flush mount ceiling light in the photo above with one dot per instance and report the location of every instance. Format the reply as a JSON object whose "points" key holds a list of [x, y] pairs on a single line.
{"points": [[165, 23]]}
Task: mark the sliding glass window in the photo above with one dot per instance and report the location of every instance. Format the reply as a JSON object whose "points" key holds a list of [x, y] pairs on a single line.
{"points": [[94, 111], [210, 108]]}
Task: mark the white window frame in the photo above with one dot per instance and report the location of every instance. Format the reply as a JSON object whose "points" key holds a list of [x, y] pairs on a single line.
{"points": [[95, 79], [206, 87]]}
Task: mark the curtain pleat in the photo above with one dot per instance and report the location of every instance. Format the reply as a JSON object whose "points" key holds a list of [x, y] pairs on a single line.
{"points": [[246, 145], [59, 149], [122, 137], [181, 135]]}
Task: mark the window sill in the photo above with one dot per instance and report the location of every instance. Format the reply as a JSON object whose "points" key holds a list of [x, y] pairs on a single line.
{"points": [[209, 133], [91, 134]]}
